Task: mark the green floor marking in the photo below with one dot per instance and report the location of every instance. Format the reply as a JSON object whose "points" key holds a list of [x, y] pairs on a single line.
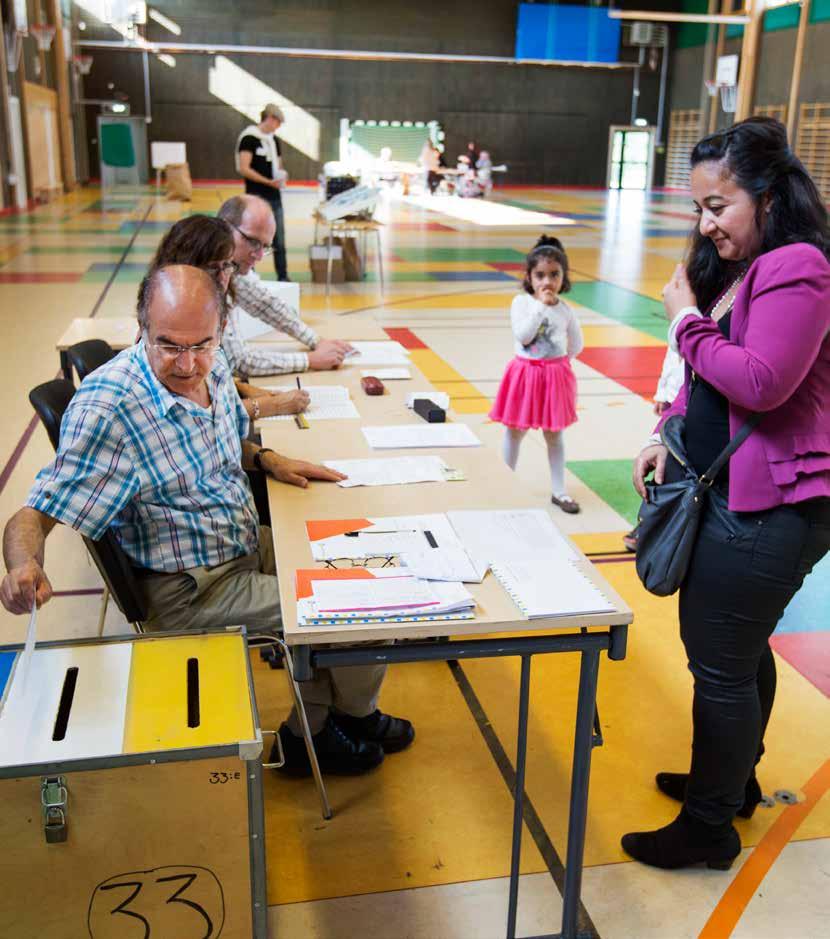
{"points": [[624, 306], [611, 481]]}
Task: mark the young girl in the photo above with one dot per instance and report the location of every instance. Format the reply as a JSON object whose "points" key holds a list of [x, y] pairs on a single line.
{"points": [[538, 389]]}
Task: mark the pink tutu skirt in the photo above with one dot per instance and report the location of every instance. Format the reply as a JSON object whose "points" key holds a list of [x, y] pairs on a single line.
{"points": [[536, 393]]}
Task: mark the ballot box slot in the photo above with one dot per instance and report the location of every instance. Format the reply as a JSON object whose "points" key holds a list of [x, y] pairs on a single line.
{"points": [[70, 681], [193, 715]]}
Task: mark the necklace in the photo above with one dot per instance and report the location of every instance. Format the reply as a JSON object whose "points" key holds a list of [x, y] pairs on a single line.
{"points": [[727, 299], [724, 305]]}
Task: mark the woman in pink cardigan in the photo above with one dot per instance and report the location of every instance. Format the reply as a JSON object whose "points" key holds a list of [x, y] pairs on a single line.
{"points": [[758, 267]]}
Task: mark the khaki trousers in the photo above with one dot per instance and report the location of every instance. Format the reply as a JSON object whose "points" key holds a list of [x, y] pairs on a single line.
{"points": [[244, 592]]}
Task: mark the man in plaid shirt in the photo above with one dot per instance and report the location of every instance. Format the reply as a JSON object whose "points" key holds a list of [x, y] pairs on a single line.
{"points": [[153, 447], [253, 231]]}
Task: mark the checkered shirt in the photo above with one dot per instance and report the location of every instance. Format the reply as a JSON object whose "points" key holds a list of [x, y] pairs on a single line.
{"points": [[246, 358], [165, 474]]}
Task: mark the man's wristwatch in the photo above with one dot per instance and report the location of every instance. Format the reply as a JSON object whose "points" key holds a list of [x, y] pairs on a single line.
{"points": [[258, 456], [255, 408]]}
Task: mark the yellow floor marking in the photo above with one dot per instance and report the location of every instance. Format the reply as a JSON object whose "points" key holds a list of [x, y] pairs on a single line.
{"points": [[465, 398], [618, 336], [601, 542], [157, 710]]}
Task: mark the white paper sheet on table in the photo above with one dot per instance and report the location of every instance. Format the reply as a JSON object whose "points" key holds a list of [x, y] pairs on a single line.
{"points": [[388, 537], [391, 471], [328, 403], [407, 436], [401, 593], [386, 374], [510, 535], [550, 587], [377, 353], [443, 563]]}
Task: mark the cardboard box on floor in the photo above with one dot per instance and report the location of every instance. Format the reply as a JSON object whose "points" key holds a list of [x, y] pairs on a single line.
{"points": [[318, 260]]}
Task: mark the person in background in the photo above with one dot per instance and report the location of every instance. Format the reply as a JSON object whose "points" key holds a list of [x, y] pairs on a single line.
{"points": [[259, 163], [253, 228], [207, 243], [750, 315], [538, 389]]}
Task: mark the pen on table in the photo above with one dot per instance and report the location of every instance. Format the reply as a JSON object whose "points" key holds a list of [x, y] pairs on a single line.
{"points": [[300, 419]]}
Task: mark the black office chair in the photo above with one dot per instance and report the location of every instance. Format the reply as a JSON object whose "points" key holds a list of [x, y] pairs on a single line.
{"points": [[50, 400], [86, 356]]}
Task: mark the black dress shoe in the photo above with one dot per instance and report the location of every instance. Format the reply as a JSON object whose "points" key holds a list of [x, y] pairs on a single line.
{"points": [[392, 733], [674, 786], [686, 841], [337, 753]]}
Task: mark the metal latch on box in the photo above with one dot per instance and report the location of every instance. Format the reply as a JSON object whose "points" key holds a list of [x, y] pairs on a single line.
{"points": [[53, 798]]}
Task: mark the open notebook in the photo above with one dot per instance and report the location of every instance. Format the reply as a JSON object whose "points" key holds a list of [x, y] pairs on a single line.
{"points": [[550, 587]]}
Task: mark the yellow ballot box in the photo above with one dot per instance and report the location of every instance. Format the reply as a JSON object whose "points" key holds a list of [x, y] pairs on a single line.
{"points": [[131, 790]]}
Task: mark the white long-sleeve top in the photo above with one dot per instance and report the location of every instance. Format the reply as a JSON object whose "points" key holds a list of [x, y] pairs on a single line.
{"points": [[671, 378], [542, 331]]}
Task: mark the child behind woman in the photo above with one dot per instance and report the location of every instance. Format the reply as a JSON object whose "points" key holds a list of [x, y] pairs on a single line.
{"points": [[538, 389]]}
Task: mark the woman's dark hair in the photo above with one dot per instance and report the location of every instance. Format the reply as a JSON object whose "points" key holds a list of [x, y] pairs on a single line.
{"points": [[547, 249], [756, 155], [198, 240]]}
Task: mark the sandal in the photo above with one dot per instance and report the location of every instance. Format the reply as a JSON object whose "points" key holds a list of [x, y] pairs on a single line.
{"points": [[566, 503]]}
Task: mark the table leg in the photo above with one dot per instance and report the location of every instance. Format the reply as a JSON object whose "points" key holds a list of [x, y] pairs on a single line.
{"points": [[577, 816], [518, 797], [66, 368]]}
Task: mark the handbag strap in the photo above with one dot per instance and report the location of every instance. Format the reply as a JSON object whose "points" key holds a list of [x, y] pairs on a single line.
{"points": [[708, 478]]}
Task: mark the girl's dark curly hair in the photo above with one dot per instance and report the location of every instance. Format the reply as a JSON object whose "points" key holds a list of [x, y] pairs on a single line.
{"points": [[547, 248]]}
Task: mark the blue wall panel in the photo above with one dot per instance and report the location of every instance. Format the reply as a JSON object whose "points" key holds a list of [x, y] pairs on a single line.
{"points": [[577, 34]]}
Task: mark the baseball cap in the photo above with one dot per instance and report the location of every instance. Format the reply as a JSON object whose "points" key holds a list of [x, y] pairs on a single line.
{"points": [[273, 110]]}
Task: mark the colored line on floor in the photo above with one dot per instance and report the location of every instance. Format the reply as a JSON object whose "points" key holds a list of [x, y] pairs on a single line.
{"points": [[636, 368], [624, 306], [740, 892], [809, 655], [41, 277], [8, 469], [556, 869], [611, 481]]}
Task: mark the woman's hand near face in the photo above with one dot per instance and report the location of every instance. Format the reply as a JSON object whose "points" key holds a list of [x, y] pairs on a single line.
{"points": [[677, 294], [650, 458]]}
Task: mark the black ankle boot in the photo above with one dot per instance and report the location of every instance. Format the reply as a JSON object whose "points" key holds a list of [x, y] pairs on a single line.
{"points": [[684, 842], [674, 786]]}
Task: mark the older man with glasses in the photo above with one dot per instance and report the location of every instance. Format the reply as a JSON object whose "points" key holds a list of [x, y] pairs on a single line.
{"points": [[253, 229], [153, 445]]}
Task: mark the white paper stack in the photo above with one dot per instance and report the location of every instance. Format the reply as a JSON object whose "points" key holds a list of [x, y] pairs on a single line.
{"points": [[543, 588], [328, 403], [390, 471], [387, 596], [386, 374], [377, 353]]}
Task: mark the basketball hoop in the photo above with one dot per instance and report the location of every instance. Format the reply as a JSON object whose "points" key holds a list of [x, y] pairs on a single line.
{"points": [[83, 63], [729, 98], [44, 33], [728, 94]]}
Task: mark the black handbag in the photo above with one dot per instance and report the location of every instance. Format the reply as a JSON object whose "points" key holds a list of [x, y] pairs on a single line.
{"points": [[669, 516]]}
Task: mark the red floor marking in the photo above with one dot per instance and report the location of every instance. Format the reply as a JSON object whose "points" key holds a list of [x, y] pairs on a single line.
{"points": [[634, 367], [26, 277], [809, 654], [507, 265], [405, 337]]}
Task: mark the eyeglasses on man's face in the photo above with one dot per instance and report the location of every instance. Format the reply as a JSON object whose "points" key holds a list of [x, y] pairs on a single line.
{"points": [[257, 246], [170, 350]]}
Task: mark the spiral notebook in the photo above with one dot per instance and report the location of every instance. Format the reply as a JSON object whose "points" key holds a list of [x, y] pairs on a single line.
{"points": [[550, 588]]}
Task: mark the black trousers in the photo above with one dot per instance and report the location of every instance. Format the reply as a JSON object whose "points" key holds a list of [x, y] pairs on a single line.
{"points": [[278, 244], [746, 568]]}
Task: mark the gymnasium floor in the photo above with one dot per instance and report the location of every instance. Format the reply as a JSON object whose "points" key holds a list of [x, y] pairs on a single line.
{"points": [[420, 850]]}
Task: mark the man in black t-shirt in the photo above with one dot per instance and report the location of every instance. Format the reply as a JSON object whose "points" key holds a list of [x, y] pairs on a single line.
{"points": [[259, 162]]}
